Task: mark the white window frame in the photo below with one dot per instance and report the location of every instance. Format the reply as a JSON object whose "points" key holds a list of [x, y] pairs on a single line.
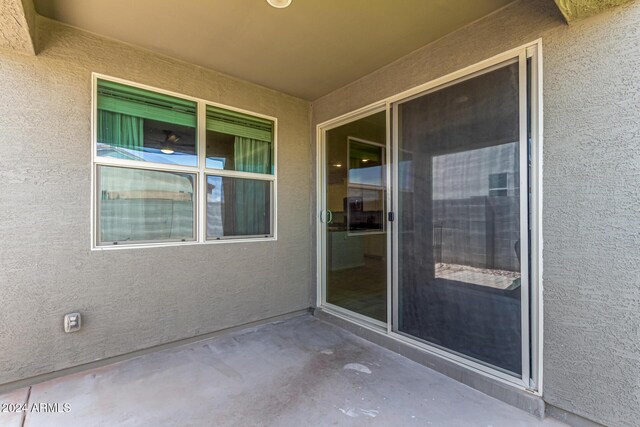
{"points": [[531, 380], [200, 170]]}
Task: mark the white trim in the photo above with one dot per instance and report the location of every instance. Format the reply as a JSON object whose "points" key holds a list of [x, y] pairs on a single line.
{"points": [[134, 164], [537, 331], [274, 186], [395, 155], [533, 49], [199, 170], [202, 188], [239, 174], [389, 208], [93, 202], [320, 207], [187, 243], [523, 151]]}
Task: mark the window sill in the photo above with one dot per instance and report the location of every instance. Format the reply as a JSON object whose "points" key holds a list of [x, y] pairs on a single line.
{"points": [[173, 244]]}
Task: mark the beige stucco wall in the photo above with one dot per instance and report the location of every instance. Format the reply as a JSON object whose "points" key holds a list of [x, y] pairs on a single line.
{"points": [[130, 299], [17, 26], [591, 180], [135, 299]]}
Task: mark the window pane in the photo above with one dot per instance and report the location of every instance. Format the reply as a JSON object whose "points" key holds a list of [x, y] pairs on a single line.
{"points": [[366, 164], [365, 209], [355, 248], [366, 187], [136, 205], [239, 142], [138, 124], [238, 207]]}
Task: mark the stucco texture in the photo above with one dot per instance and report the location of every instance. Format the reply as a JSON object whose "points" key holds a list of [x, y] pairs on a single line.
{"points": [[574, 10], [135, 298], [590, 187], [17, 26]]}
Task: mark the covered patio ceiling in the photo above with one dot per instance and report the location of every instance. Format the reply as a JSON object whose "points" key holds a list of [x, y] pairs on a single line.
{"points": [[308, 49]]}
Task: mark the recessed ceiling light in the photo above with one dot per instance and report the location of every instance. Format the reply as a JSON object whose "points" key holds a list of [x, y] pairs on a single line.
{"points": [[365, 160], [337, 165], [167, 150], [280, 4]]}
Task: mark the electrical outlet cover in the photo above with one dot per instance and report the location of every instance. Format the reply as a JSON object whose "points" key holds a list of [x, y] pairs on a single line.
{"points": [[72, 322]]}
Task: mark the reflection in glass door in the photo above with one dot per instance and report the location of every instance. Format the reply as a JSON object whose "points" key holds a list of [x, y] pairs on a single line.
{"points": [[462, 251], [354, 227]]}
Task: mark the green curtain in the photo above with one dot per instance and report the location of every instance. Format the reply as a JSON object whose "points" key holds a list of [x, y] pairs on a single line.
{"points": [[251, 155], [120, 130]]}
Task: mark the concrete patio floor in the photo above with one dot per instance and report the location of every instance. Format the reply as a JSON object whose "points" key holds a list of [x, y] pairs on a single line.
{"points": [[297, 372]]}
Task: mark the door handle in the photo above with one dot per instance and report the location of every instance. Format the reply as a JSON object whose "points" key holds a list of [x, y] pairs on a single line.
{"points": [[327, 217]]}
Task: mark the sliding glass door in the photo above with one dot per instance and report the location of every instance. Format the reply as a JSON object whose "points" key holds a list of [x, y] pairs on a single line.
{"points": [[462, 230], [354, 217], [428, 237]]}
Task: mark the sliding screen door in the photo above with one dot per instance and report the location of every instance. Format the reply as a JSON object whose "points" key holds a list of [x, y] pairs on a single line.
{"points": [[461, 244]]}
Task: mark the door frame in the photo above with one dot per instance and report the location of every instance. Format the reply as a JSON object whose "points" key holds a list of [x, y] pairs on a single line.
{"points": [[321, 197], [532, 379]]}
